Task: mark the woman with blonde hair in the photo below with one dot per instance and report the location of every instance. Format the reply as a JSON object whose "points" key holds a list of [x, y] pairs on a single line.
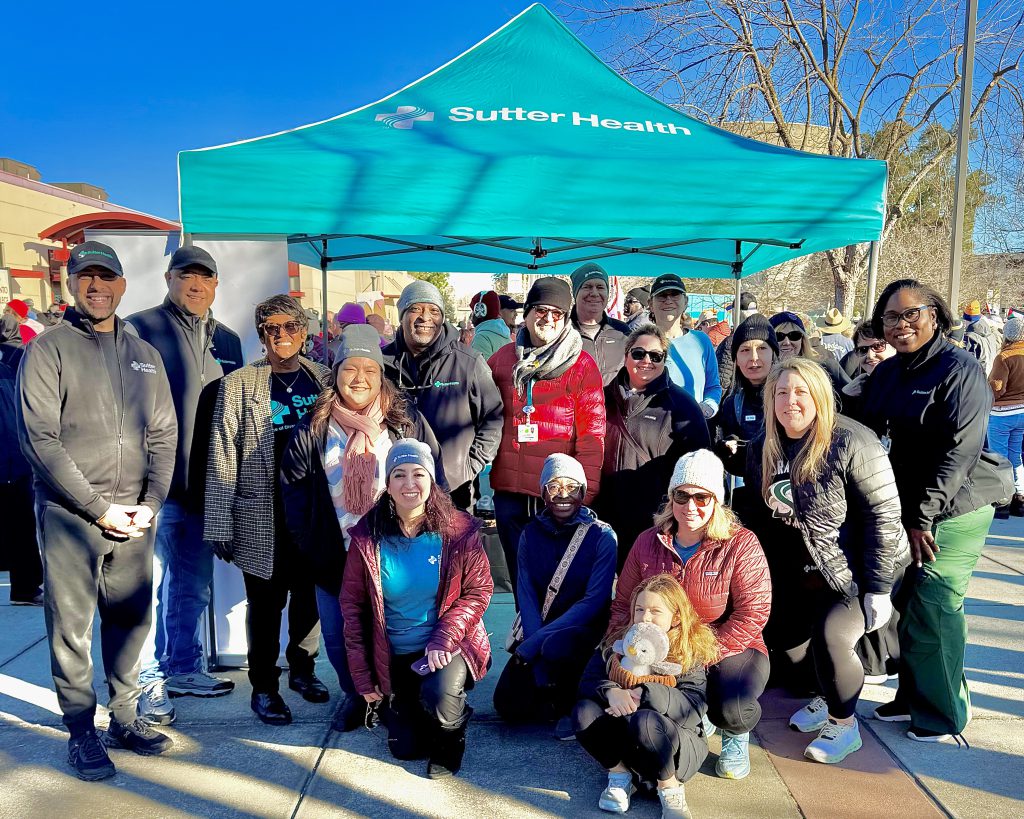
{"points": [[648, 726], [829, 514], [697, 539]]}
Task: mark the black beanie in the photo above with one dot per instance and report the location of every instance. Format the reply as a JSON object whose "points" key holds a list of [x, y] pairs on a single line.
{"points": [[755, 328], [551, 291]]}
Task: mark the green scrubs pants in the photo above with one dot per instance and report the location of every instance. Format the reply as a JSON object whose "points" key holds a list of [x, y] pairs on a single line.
{"points": [[933, 628]]}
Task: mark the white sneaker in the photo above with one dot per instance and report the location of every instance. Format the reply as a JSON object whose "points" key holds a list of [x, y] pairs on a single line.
{"points": [[154, 706], [835, 742], [673, 803], [615, 798], [812, 717]]}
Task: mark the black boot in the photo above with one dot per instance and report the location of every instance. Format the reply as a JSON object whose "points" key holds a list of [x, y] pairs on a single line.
{"points": [[447, 749], [351, 714], [1017, 506]]}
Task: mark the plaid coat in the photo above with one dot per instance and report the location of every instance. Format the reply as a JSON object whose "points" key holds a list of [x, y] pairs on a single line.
{"points": [[241, 474]]}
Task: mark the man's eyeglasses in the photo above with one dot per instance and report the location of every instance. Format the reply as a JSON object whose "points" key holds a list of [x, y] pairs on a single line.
{"points": [[292, 328], [556, 314], [564, 488], [792, 335], [910, 316], [875, 347], [639, 354], [683, 497]]}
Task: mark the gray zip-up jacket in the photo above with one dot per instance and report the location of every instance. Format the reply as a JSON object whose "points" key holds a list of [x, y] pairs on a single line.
{"points": [[83, 455], [195, 353]]}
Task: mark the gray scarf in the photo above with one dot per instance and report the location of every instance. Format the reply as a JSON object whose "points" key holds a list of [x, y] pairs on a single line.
{"points": [[547, 362]]}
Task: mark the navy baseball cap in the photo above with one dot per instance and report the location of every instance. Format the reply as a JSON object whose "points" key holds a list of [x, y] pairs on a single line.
{"points": [[192, 257], [667, 283], [509, 303], [93, 254]]}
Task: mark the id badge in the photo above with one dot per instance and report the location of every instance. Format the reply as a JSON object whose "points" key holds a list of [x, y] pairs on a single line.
{"points": [[528, 433], [886, 443]]}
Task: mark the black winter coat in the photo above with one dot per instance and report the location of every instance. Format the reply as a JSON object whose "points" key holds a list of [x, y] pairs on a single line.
{"points": [[684, 704], [646, 434], [13, 466], [608, 347], [195, 353], [740, 418], [849, 518], [934, 406], [306, 497], [452, 387]]}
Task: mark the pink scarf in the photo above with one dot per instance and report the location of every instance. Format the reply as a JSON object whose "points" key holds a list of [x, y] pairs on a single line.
{"points": [[362, 428]]}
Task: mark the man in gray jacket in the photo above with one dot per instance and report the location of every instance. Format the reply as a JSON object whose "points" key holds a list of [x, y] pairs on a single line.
{"points": [[197, 351], [97, 425]]}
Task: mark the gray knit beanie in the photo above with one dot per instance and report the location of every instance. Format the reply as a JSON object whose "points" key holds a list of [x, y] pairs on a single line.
{"points": [[419, 292], [1014, 329], [409, 451], [701, 468], [358, 341], [562, 466]]}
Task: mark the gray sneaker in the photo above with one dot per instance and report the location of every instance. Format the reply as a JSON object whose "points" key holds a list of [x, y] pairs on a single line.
{"points": [[199, 684], [154, 707], [673, 803]]}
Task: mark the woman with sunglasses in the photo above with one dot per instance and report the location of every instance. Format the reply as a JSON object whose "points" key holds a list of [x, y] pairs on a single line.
{"points": [[791, 335], [651, 424], [257, 408], [539, 682], [553, 399], [868, 351], [829, 516], [930, 405], [720, 565]]}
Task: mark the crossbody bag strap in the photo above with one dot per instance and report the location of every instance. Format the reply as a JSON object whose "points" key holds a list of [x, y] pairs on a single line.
{"points": [[563, 569]]}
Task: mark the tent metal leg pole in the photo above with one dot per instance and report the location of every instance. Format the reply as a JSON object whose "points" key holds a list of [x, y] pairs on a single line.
{"points": [[737, 271], [875, 252], [323, 293]]}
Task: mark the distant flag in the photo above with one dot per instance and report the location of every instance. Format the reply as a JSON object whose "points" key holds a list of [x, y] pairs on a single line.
{"points": [[617, 300]]}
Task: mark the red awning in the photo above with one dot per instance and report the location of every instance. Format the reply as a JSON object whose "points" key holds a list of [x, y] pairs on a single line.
{"points": [[73, 230]]}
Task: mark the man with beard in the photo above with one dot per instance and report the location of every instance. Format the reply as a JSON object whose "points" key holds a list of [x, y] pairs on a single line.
{"points": [[450, 385], [97, 425]]}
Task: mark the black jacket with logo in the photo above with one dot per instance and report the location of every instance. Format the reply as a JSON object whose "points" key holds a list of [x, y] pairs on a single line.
{"points": [[195, 353], [934, 406], [608, 347], [85, 457], [646, 434], [452, 386], [13, 466]]}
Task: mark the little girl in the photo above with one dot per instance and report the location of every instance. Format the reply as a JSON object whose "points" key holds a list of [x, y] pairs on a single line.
{"points": [[649, 726]]}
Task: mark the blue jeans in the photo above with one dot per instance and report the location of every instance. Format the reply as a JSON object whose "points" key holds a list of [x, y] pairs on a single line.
{"points": [[182, 576], [1006, 436], [332, 627]]}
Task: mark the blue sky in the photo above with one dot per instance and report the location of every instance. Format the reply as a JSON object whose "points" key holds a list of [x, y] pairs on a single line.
{"points": [[159, 79]]}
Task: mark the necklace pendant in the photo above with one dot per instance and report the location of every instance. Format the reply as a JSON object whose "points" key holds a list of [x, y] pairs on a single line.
{"points": [[288, 389]]}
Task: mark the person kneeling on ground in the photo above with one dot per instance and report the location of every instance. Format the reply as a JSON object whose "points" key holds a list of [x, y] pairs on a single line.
{"points": [[413, 596], [649, 728], [566, 568]]}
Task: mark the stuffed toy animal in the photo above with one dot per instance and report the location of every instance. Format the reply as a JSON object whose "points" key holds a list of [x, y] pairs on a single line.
{"points": [[644, 649]]}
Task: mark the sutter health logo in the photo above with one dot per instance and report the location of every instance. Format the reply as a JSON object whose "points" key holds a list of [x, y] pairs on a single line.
{"points": [[406, 116]]}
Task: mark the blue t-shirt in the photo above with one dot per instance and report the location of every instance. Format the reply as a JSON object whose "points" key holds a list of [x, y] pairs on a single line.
{"points": [[692, 365], [685, 552], [410, 572]]}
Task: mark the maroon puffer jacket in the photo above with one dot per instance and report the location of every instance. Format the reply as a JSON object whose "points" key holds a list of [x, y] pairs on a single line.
{"points": [[570, 415], [726, 580], [462, 596]]}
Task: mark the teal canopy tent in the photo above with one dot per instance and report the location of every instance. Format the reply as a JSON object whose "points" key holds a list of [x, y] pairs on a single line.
{"points": [[524, 154]]}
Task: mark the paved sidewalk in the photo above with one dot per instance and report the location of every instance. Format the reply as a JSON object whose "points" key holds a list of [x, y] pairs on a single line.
{"points": [[226, 763]]}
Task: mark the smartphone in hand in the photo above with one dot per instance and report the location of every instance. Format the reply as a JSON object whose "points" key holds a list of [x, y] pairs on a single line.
{"points": [[422, 667]]}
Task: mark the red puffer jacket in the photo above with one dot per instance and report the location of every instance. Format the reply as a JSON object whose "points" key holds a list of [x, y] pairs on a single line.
{"points": [[462, 596], [570, 413], [726, 580]]}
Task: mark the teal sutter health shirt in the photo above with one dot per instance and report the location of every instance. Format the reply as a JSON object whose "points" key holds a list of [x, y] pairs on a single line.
{"points": [[410, 571]]}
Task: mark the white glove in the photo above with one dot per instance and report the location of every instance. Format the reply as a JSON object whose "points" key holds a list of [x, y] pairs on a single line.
{"points": [[709, 408], [877, 611]]}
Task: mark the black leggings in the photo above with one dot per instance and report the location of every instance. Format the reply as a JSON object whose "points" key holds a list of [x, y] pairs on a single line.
{"points": [[836, 624], [422, 705], [646, 742], [734, 685]]}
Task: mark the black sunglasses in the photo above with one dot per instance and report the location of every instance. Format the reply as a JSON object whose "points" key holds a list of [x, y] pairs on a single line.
{"points": [[682, 497], [639, 354], [877, 346], [292, 328], [792, 335]]}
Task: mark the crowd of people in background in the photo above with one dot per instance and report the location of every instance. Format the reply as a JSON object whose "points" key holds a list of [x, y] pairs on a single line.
{"points": [[686, 509]]}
